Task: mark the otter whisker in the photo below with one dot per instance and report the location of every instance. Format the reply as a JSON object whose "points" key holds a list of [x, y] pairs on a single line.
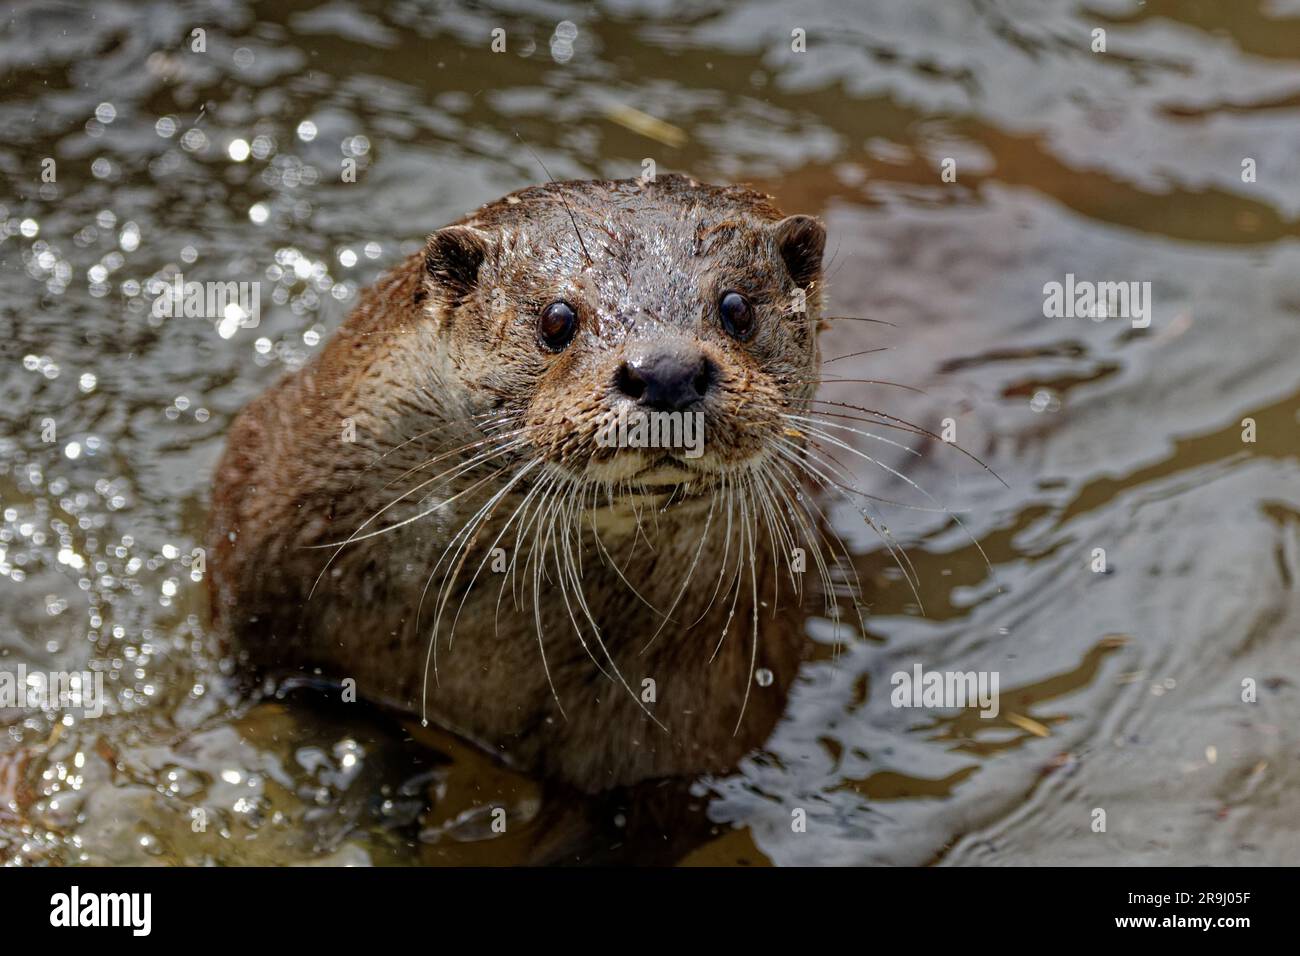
{"points": [[826, 437], [821, 416], [725, 485], [459, 470], [753, 645], [512, 435], [857, 318], [534, 558], [432, 652], [686, 579], [609, 559], [595, 629], [785, 487], [840, 358], [487, 556], [357, 536], [784, 509], [419, 611], [910, 426], [521, 511], [828, 457], [857, 381], [586, 255], [830, 593], [568, 572], [802, 458], [886, 538], [424, 434], [467, 535], [460, 467], [828, 483], [522, 531], [857, 431], [625, 493], [775, 537], [565, 570], [794, 455], [740, 566]]}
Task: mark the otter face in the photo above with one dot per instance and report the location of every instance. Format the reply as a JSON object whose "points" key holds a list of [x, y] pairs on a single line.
{"points": [[639, 337]]}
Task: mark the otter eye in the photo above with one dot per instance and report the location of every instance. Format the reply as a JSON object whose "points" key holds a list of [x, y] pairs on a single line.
{"points": [[556, 325], [737, 315]]}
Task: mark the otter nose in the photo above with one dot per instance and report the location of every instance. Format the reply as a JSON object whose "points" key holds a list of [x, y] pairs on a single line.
{"points": [[667, 378]]}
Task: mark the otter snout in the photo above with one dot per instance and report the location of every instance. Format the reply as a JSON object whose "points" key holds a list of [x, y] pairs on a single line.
{"points": [[665, 377]]}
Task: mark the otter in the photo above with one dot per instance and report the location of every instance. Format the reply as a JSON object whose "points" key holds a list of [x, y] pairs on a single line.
{"points": [[429, 507]]}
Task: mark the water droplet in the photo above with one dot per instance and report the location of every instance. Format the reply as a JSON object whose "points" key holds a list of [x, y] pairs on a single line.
{"points": [[129, 240], [1044, 401], [151, 845], [763, 676]]}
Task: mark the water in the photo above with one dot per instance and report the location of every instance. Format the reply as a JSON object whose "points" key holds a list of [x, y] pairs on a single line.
{"points": [[1121, 691]]}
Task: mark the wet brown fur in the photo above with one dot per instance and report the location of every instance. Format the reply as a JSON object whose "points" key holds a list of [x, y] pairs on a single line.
{"points": [[442, 352]]}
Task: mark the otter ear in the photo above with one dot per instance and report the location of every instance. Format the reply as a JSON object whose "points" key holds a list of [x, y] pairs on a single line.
{"points": [[801, 240], [452, 257]]}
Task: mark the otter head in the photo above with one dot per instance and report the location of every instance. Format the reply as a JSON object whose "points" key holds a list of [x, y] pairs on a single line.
{"points": [[640, 337]]}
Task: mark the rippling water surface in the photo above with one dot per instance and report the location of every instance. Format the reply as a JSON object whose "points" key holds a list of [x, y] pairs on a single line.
{"points": [[1120, 690]]}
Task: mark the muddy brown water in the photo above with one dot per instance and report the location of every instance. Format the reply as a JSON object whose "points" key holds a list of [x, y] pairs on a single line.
{"points": [[1121, 691]]}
